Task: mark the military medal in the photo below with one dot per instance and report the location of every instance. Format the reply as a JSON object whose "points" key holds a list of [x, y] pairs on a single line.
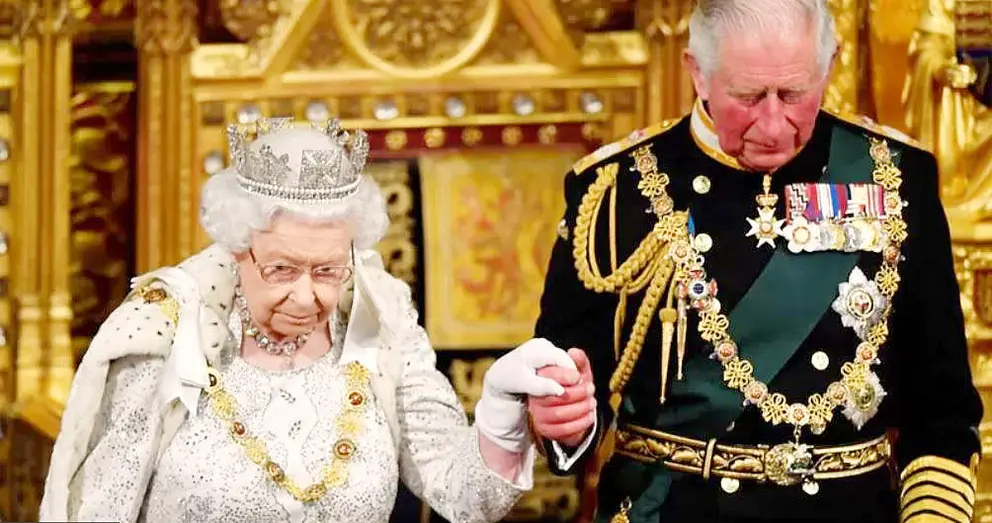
{"points": [[802, 235], [837, 217], [765, 227]]}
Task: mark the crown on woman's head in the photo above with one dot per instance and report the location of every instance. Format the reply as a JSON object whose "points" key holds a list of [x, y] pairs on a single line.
{"points": [[324, 174]]}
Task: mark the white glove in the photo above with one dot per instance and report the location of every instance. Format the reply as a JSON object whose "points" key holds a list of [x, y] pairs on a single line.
{"points": [[501, 413]]}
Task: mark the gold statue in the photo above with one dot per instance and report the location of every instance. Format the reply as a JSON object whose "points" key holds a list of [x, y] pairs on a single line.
{"points": [[945, 115]]}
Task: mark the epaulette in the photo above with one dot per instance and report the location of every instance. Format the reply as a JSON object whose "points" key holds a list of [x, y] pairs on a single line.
{"points": [[865, 122], [623, 144], [153, 292]]}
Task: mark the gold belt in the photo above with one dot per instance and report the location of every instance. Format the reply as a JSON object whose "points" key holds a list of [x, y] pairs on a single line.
{"points": [[784, 464]]}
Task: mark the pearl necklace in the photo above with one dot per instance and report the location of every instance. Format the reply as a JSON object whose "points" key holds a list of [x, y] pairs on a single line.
{"points": [[285, 348]]}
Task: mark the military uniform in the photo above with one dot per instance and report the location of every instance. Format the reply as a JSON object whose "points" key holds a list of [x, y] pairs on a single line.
{"points": [[793, 351]]}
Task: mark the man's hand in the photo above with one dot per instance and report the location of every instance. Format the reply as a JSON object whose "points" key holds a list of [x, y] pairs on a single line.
{"points": [[567, 418]]}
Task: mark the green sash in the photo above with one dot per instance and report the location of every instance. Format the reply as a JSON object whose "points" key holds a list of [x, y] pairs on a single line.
{"points": [[770, 323]]}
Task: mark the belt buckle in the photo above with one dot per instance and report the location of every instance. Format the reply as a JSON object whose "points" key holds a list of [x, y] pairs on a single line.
{"points": [[789, 464]]}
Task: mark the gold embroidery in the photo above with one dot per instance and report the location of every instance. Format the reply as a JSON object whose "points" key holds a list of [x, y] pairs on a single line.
{"points": [[619, 146], [747, 462]]}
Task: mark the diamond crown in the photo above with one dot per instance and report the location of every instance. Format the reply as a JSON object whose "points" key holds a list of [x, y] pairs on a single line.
{"points": [[324, 175]]}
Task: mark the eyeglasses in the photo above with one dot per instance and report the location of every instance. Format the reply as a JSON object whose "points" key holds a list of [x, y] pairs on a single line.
{"points": [[281, 273]]}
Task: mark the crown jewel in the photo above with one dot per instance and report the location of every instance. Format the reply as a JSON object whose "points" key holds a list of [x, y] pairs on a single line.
{"points": [[324, 174]]}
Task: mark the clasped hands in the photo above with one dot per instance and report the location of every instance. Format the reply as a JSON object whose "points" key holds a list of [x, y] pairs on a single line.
{"points": [[555, 386]]}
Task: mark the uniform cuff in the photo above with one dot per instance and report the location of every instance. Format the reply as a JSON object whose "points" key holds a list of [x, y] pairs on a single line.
{"points": [[938, 489]]}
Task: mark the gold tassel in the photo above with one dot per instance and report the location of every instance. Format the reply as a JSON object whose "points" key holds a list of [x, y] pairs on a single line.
{"points": [[668, 316], [615, 399], [618, 320]]}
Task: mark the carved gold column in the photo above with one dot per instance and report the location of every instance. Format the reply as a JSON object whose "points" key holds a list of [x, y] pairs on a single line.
{"points": [[10, 69], [165, 35], [41, 201], [669, 90], [843, 93]]}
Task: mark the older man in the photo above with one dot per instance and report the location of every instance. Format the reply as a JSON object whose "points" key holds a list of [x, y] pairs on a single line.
{"points": [[766, 296]]}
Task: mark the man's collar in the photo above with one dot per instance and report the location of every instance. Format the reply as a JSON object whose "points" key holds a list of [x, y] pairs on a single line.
{"points": [[704, 134]]}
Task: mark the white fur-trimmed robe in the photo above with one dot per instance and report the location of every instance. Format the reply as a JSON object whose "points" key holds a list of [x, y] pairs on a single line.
{"points": [[397, 343]]}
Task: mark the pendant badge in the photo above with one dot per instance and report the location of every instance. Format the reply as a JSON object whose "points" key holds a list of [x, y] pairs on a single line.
{"points": [[765, 227]]}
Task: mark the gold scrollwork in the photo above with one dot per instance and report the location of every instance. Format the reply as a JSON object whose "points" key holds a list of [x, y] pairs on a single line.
{"points": [[252, 19], [583, 15], [665, 20], [416, 39], [399, 253], [41, 18], [112, 8], [102, 139], [166, 26], [509, 44], [324, 48]]}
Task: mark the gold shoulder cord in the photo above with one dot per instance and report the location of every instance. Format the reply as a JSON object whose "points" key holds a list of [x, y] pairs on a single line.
{"points": [[649, 266]]}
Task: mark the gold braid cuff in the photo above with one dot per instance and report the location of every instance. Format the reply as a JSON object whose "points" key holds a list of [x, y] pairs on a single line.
{"points": [[937, 489]]}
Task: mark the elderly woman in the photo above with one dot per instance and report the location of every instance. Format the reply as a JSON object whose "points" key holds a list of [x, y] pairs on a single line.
{"points": [[281, 375]]}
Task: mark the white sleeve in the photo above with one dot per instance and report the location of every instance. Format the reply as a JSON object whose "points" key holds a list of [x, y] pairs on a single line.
{"points": [[110, 484], [440, 461]]}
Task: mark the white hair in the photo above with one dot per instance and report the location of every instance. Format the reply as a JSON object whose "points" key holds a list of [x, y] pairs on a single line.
{"points": [[711, 19], [229, 215]]}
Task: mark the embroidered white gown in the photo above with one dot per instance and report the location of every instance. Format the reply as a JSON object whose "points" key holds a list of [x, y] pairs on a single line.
{"points": [[204, 475]]}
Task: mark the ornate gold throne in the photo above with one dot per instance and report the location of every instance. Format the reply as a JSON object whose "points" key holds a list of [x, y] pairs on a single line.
{"points": [[112, 115]]}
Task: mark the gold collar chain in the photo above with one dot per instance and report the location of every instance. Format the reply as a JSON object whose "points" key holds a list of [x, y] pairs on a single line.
{"points": [[349, 423], [856, 380]]}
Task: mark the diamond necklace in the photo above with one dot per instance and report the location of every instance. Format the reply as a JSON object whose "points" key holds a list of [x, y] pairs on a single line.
{"points": [[285, 348]]}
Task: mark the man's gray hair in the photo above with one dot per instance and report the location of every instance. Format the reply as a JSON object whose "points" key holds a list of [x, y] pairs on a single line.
{"points": [[712, 19]]}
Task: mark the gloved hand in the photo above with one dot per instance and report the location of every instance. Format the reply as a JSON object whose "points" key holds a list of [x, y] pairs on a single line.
{"points": [[501, 413]]}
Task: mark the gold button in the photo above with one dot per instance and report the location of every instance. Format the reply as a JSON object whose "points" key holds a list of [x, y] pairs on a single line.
{"points": [[701, 184], [563, 229], [702, 242], [730, 485], [820, 360]]}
